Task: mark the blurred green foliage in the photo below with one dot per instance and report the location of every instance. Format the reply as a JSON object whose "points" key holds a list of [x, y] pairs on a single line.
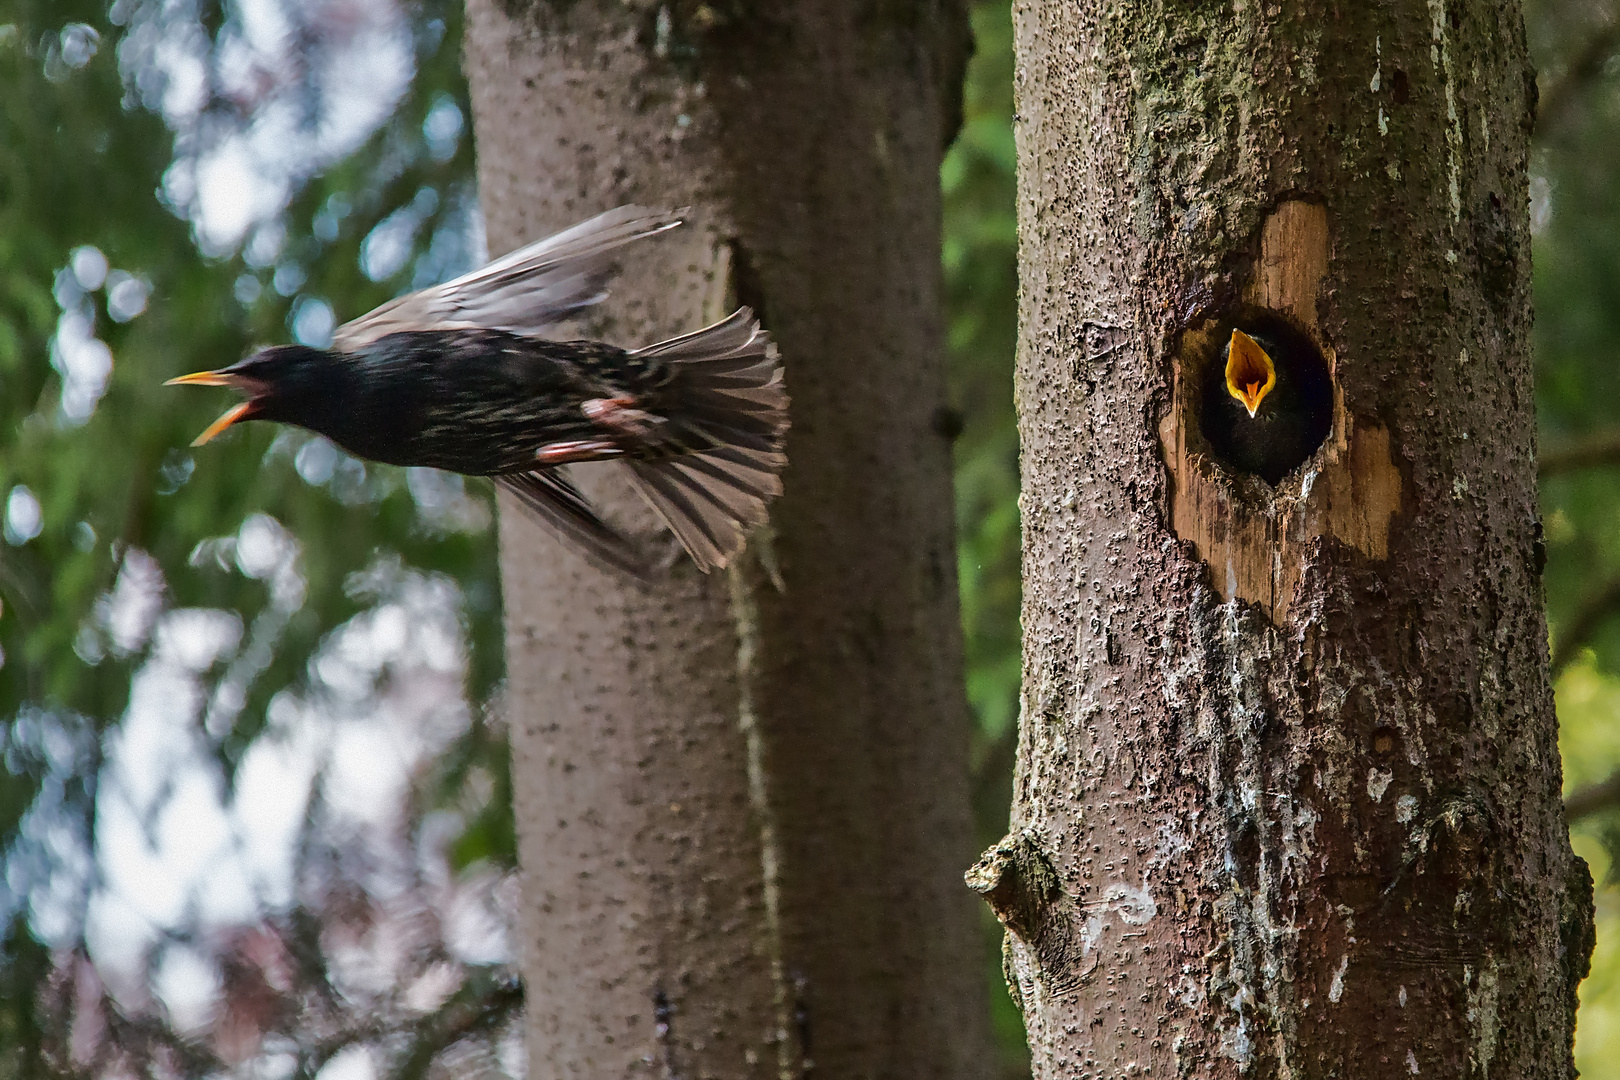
{"points": [[83, 164], [1575, 217], [981, 280]]}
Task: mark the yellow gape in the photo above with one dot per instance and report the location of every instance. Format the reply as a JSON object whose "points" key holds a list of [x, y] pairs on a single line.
{"points": [[1250, 374]]}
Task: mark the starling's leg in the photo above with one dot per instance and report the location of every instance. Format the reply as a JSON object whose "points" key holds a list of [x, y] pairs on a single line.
{"points": [[619, 419], [565, 453], [620, 416]]}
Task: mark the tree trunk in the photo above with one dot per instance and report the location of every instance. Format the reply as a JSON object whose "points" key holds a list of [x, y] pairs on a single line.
{"points": [[1287, 801], [742, 799]]}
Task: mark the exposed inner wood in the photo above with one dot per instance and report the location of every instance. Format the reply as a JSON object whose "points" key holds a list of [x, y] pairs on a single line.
{"points": [[1293, 261], [1350, 489]]}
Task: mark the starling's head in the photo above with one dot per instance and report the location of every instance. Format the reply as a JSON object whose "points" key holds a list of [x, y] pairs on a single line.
{"points": [[275, 380], [1250, 372]]}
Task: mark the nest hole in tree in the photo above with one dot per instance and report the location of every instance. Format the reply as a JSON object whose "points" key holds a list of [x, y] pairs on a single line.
{"points": [[1294, 417]]}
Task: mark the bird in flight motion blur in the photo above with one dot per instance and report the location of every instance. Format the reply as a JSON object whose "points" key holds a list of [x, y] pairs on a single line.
{"points": [[462, 377]]}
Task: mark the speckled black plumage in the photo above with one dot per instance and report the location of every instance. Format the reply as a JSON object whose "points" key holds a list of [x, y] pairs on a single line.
{"points": [[700, 419], [463, 377], [1290, 423], [479, 402]]}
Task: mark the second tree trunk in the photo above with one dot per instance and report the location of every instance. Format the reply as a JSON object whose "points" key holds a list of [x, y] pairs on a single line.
{"points": [[742, 799]]}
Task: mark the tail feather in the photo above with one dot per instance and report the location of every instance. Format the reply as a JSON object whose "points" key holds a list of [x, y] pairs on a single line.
{"points": [[742, 504], [737, 336], [742, 476], [728, 407], [705, 533]]}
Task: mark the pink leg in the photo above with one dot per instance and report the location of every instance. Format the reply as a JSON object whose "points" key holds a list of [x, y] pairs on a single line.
{"points": [[563, 453], [619, 415]]}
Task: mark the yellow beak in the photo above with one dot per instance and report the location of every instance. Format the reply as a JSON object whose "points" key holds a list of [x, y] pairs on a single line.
{"points": [[234, 413], [1250, 374], [202, 378]]}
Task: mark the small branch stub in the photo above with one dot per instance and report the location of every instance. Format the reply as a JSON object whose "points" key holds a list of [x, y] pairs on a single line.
{"points": [[1017, 882], [1045, 951]]}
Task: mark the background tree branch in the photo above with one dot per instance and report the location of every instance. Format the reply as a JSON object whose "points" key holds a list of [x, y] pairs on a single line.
{"points": [[1599, 448], [1599, 607], [1558, 95], [1593, 799]]}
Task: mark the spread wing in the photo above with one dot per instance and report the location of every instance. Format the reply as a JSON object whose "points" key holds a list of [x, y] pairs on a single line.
{"points": [[553, 498], [526, 292]]}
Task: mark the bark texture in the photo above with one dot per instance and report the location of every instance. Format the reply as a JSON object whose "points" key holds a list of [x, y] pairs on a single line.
{"points": [[742, 799], [1287, 801]]}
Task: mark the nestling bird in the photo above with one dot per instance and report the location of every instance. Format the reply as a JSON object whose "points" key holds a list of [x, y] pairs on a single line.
{"points": [[1267, 405], [459, 377]]}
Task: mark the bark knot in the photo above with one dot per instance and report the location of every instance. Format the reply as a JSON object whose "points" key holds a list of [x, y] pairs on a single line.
{"points": [[1017, 882], [1044, 951]]}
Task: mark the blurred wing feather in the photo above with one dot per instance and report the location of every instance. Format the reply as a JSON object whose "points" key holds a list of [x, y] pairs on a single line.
{"points": [[526, 292], [553, 499]]}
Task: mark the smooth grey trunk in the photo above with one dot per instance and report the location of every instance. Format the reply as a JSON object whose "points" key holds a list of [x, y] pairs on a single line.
{"points": [[742, 799], [1287, 799]]}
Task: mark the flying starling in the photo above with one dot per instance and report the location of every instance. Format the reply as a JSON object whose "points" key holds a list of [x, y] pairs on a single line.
{"points": [[1267, 405], [461, 377]]}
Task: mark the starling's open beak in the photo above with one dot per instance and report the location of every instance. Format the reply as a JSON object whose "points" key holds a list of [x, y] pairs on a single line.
{"points": [[205, 378], [1250, 374], [242, 411]]}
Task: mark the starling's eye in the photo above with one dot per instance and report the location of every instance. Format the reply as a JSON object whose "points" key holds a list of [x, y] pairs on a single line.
{"points": [[1250, 374]]}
